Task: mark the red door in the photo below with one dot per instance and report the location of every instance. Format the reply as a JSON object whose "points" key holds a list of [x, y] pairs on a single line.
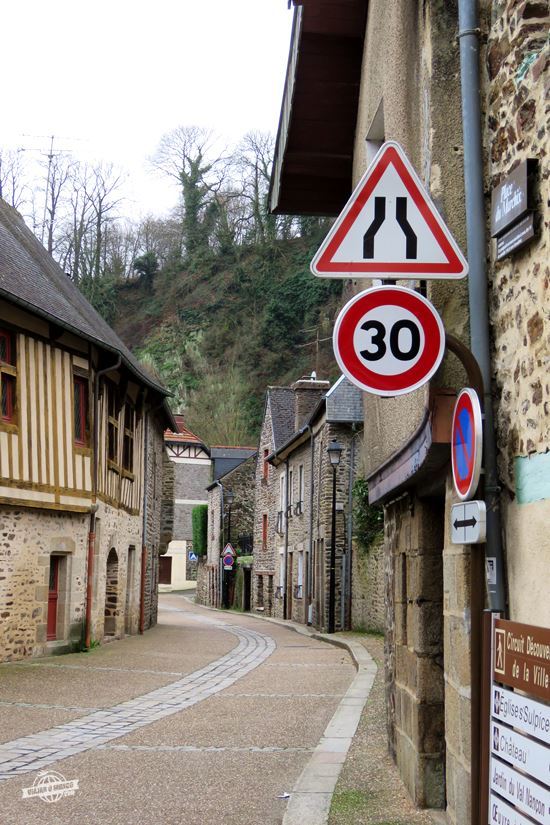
{"points": [[52, 598], [165, 572]]}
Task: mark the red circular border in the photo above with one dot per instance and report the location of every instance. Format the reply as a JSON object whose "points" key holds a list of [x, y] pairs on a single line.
{"points": [[463, 485], [400, 297]]}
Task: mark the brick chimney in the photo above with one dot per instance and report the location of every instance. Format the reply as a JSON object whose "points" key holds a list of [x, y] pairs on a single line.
{"points": [[308, 391]]}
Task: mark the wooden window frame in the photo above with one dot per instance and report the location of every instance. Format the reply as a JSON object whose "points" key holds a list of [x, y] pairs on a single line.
{"points": [[128, 437], [264, 530], [82, 383], [112, 426], [8, 375]]}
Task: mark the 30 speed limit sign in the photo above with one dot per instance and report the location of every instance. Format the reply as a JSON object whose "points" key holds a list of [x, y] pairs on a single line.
{"points": [[388, 340]]}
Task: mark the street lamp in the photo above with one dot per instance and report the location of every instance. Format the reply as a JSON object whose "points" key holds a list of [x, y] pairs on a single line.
{"points": [[228, 497], [334, 451]]}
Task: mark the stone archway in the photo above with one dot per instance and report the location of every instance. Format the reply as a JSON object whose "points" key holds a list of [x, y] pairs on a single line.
{"points": [[111, 593]]}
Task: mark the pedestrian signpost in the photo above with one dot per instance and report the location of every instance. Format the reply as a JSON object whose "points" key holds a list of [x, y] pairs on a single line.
{"points": [[388, 340], [466, 444], [389, 228], [519, 736]]}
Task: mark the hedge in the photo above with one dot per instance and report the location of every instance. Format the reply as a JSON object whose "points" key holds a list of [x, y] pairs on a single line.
{"points": [[199, 518]]}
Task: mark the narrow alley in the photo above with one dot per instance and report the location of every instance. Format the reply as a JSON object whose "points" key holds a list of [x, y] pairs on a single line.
{"points": [[216, 713]]}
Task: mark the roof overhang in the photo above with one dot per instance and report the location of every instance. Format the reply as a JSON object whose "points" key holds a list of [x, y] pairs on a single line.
{"points": [[423, 462], [312, 167]]}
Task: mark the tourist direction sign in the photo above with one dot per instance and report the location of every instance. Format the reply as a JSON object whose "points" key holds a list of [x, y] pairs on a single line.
{"points": [[466, 443], [389, 228], [388, 340]]}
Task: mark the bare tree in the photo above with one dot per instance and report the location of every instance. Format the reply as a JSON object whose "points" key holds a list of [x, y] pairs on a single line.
{"points": [[100, 185], [12, 177], [55, 188]]}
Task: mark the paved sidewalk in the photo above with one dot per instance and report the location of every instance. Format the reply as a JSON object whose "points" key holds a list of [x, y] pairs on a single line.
{"points": [[205, 719], [370, 790]]}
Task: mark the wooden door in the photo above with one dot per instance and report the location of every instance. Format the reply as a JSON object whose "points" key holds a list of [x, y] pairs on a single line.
{"points": [[289, 585], [165, 571], [53, 593]]}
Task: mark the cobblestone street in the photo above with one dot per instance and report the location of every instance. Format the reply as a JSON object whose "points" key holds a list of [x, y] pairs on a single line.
{"points": [[206, 718]]}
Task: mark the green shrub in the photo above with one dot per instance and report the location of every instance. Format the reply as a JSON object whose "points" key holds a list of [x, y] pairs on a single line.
{"points": [[368, 519], [199, 519]]}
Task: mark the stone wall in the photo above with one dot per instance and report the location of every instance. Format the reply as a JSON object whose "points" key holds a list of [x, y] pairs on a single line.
{"points": [[517, 117], [159, 514], [368, 607], [414, 646], [191, 481], [241, 482], [308, 527], [28, 537], [517, 87], [266, 502], [202, 581]]}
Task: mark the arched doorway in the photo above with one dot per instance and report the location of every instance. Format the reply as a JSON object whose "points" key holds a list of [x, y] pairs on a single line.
{"points": [[111, 593]]}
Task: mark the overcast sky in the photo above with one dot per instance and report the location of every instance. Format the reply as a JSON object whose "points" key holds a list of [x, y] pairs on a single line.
{"points": [[108, 78]]}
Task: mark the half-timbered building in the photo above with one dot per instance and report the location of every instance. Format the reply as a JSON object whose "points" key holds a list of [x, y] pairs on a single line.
{"points": [[192, 469], [81, 444]]}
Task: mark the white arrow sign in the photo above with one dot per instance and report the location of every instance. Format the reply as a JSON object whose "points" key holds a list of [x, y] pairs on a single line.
{"points": [[468, 522]]}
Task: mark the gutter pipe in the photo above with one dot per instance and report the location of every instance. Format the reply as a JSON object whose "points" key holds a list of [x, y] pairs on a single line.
{"points": [[468, 36], [285, 599], [222, 541], [91, 534], [469, 32], [309, 608], [143, 542]]}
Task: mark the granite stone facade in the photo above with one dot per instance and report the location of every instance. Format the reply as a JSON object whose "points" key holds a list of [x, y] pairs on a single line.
{"points": [[223, 527]]}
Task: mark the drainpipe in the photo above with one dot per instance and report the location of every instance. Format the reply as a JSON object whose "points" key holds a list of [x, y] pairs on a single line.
{"points": [[309, 614], [285, 600], [477, 281], [144, 530], [91, 534], [220, 560], [469, 33]]}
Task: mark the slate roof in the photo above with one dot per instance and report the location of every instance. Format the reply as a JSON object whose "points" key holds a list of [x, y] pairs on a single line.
{"points": [[281, 404], [30, 277], [226, 459], [183, 434], [344, 402]]}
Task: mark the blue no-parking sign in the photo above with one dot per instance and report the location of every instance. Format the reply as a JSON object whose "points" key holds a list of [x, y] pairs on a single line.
{"points": [[466, 444]]}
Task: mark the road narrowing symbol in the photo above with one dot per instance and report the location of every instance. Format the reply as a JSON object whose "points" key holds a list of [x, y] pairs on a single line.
{"points": [[466, 443], [388, 340], [389, 227]]}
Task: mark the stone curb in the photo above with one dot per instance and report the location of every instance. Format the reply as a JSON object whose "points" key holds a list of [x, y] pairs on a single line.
{"points": [[311, 796]]}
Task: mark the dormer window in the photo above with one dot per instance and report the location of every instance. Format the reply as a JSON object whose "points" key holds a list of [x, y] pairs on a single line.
{"points": [[8, 377]]}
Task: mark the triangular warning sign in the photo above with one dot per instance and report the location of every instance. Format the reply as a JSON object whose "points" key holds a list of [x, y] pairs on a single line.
{"points": [[389, 228]]}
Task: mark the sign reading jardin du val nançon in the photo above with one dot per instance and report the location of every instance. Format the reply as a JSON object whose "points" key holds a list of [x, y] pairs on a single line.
{"points": [[389, 228], [388, 340], [519, 771]]}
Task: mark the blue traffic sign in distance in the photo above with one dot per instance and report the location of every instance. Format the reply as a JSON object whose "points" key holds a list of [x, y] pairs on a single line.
{"points": [[466, 444]]}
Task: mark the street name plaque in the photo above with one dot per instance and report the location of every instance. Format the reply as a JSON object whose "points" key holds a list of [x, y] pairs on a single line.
{"points": [[519, 744]]}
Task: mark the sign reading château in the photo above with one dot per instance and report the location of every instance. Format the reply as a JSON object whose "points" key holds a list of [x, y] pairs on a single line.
{"points": [[519, 771]]}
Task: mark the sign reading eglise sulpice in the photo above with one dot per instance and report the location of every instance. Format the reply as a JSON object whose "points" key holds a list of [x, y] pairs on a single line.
{"points": [[519, 773]]}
